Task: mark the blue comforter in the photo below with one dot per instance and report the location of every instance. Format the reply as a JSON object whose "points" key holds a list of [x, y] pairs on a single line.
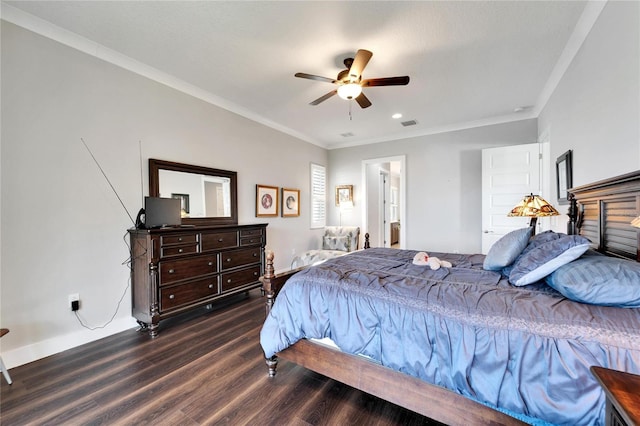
{"points": [[524, 349]]}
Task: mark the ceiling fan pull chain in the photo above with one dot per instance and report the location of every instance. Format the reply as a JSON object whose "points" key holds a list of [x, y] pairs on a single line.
{"points": [[350, 116]]}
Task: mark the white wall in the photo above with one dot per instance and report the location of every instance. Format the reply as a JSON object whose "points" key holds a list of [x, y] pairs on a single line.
{"points": [[443, 182], [62, 226], [595, 109]]}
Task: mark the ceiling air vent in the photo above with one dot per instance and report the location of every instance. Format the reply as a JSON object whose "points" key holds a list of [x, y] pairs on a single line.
{"points": [[409, 123], [346, 135]]}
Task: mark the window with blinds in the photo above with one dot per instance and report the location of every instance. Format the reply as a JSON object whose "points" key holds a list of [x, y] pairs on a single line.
{"points": [[318, 196]]}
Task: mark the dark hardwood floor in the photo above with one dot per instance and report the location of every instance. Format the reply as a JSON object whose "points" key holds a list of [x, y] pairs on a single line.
{"points": [[203, 368]]}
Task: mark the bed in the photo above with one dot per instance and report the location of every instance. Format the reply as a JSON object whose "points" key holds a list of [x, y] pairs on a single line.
{"points": [[463, 345]]}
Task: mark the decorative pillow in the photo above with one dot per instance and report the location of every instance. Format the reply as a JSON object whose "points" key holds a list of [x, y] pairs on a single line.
{"points": [[535, 241], [506, 249], [342, 243], [543, 259], [542, 238], [599, 280]]}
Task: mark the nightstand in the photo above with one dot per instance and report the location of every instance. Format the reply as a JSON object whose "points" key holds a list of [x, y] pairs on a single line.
{"points": [[623, 396]]}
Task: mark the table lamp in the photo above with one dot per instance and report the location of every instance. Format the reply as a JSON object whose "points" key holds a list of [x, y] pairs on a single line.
{"points": [[533, 206]]}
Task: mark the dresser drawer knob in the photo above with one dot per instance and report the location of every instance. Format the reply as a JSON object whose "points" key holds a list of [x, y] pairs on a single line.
{"points": [[228, 259], [210, 285], [171, 296], [255, 274], [229, 280], [179, 238], [210, 263], [180, 250], [255, 254], [220, 240], [171, 271]]}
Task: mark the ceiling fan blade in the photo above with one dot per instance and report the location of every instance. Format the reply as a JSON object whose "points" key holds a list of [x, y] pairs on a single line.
{"points": [[359, 62], [363, 101], [323, 97], [315, 77], [387, 81]]}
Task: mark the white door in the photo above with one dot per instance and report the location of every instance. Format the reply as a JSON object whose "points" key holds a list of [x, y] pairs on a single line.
{"points": [[508, 174]]}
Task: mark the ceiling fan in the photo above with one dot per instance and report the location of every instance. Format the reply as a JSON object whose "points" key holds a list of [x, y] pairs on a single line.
{"points": [[350, 82]]}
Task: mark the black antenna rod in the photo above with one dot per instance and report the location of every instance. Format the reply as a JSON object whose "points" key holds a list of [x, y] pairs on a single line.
{"points": [[108, 181], [141, 174]]}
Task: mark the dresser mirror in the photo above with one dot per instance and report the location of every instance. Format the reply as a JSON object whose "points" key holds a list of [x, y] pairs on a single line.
{"points": [[208, 196]]}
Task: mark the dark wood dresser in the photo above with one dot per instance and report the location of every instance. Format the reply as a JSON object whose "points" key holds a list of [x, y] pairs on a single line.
{"points": [[395, 233], [623, 396], [178, 269]]}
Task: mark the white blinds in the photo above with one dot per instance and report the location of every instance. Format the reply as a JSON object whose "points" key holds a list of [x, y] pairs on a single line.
{"points": [[318, 195]]}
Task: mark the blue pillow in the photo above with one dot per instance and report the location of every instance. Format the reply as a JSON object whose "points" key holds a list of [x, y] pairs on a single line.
{"points": [[542, 238], [599, 280], [507, 249], [535, 241], [538, 262]]}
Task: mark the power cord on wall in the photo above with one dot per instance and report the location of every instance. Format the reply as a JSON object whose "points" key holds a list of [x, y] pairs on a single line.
{"points": [[128, 262], [112, 317]]}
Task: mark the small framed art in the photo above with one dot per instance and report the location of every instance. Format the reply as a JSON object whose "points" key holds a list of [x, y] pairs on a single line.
{"points": [[266, 201], [290, 202], [564, 176], [344, 194]]}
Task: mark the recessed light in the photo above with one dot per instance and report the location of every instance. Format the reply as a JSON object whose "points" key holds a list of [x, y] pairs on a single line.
{"points": [[396, 116]]}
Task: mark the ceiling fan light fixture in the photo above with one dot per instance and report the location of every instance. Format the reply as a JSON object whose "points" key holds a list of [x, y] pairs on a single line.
{"points": [[349, 91]]}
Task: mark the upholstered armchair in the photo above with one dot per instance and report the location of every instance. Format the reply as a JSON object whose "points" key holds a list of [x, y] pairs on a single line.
{"points": [[336, 241]]}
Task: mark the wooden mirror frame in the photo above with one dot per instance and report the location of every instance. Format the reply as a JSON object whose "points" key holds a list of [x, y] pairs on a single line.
{"points": [[154, 188]]}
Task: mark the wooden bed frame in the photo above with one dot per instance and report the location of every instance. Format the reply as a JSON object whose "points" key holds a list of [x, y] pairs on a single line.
{"points": [[601, 211]]}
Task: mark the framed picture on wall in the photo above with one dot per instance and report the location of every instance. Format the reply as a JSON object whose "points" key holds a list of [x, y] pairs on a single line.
{"points": [[344, 194], [564, 176], [290, 202], [266, 201]]}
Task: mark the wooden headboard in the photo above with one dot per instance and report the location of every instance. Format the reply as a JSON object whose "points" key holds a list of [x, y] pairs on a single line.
{"points": [[603, 211]]}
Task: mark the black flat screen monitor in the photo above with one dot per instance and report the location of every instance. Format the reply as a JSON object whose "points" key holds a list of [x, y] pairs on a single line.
{"points": [[159, 212]]}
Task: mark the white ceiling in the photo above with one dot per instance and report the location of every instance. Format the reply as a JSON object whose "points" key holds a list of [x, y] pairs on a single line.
{"points": [[470, 63]]}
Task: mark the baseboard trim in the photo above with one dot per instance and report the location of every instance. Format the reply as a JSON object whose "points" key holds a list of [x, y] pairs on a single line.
{"points": [[35, 351]]}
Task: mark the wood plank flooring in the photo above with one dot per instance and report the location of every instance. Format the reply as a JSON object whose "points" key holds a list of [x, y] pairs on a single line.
{"points": [[204, 368]]}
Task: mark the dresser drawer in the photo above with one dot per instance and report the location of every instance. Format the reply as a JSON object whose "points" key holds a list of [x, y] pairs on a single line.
{"points": [[234, 258], [177, 270], [231, 280], [167, 240], [250, 241], [251, 232], [184, 294], [168, 251], [218, 240]]}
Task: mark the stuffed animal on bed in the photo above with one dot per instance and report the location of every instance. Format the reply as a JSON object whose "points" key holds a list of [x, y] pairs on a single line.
{"points": [[422, 258]]}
